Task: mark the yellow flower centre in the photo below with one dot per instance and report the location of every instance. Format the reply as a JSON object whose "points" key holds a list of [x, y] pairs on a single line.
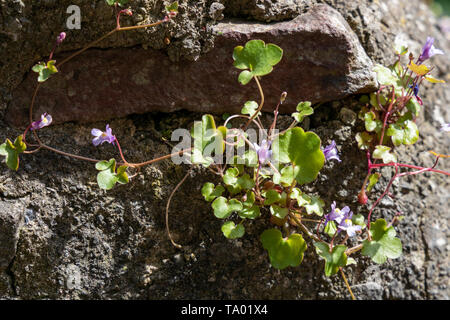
{"points": [[104, 134], [44, 120], [348, 222]]}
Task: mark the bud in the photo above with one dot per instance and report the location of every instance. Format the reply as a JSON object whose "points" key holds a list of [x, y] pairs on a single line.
{"points": [[60, 38], [128, 12], [283, 97], [362, 197]]}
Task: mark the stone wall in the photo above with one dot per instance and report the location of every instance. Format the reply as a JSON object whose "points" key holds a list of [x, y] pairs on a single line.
{"points": [[63, 237]]}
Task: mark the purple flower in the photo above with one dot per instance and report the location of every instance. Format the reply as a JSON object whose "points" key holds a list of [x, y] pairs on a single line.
{"points": [[445, 127], [102, 136], [346, 224], [429, 50], [263, 151], [336, 214], [331, 152], [60, 38], [46, 119]]}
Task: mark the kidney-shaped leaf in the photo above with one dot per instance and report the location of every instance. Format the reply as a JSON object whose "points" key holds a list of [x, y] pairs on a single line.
{"points": [[384, 243], [256, 59], [302, 149], [283, 252]]}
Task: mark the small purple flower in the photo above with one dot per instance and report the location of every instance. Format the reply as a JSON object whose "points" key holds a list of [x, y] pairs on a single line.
{"points": [[46, 119], [331, 152], [60, 38], [346, 224], [102, 136], [445, 127], [263, 151], [429, 50], [336, 214]]}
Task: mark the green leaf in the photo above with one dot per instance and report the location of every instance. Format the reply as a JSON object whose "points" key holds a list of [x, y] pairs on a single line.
{"points": [[245, 77], [278, 211], [223, 208], [39, 67], [250, 158], [272, 196], [334, 259], [103, 165], [374, 100], [287, 176], [283, 252], [173, 7], [371, 123], [358, 219], [3, 151], [373, 179], [245, 182], [302, 199], [405, 132], [207, 140], [250, 108], [51, 66], [383, 153], [252, 212], [364, 140], [414, 107], [301, 149], [11, 151], [249, 199], [304, 109], [384, 244], [108, 177], [232, 231], [256, 58], [330, 229], [315, 206], [210, 193], [230, 176], [12, 157], [386, 77], [122, 176], [19, 145], [45, 70]]}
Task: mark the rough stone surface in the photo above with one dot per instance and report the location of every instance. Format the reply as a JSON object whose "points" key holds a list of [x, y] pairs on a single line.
{"points": [[11, 219], [77, 242], [322, 61]]}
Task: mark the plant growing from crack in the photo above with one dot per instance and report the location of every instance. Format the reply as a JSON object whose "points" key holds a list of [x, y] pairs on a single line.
{"points": [[266, 179]]}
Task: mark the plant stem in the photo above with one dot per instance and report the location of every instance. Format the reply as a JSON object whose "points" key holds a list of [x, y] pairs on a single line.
{"points": [[93, 43], [346, 283], [422, 169], [260, 105], [167, 210], [303, 228], [141, 164]]}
